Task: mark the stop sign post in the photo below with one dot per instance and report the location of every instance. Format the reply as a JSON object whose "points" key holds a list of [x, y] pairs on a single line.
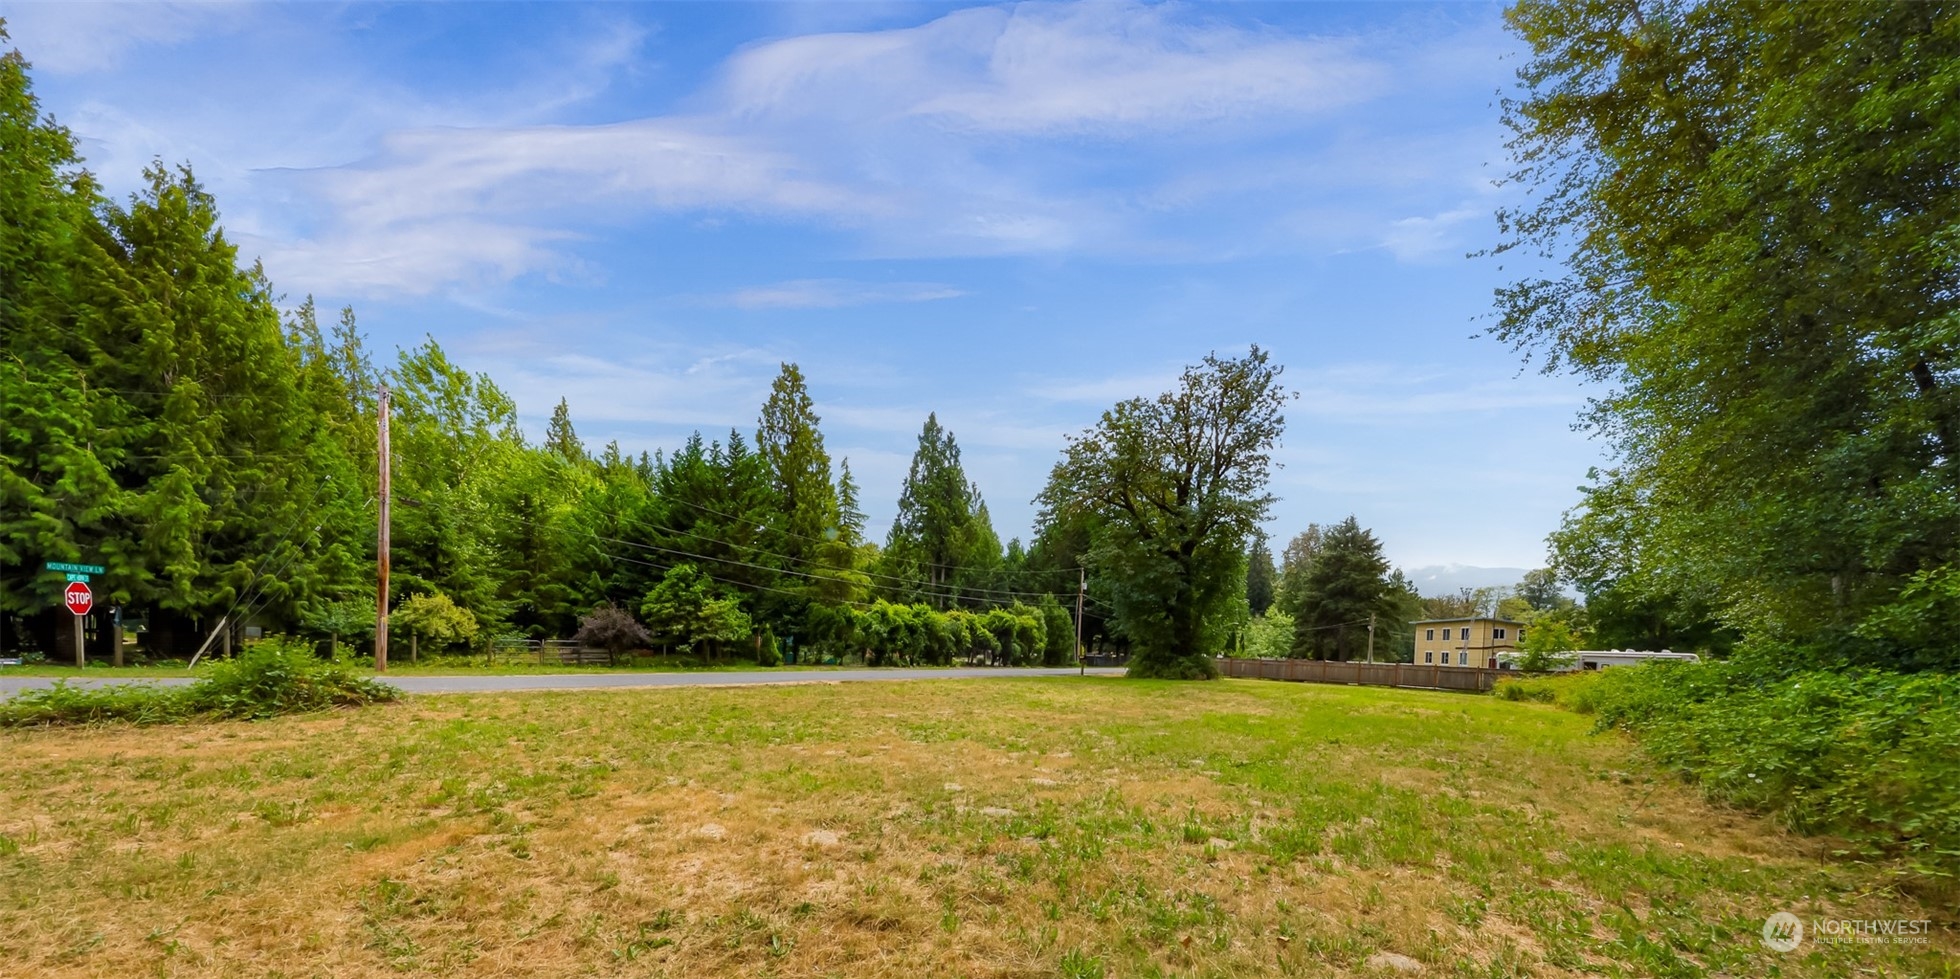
{"points": [[79, 600]]}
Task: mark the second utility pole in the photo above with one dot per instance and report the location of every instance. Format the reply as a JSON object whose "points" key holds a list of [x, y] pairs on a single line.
{"points": [[1081, 660], [381, 542]]}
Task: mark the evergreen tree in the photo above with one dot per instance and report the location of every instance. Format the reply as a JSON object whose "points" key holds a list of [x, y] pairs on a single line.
{"points": [[1347, 582], [850, 515], [1259, 577], [1294, 564], [942, 537], [561, 440], [792, 449]]}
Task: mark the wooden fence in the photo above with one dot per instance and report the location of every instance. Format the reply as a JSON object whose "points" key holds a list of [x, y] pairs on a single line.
{"points": [[1365, 674]]}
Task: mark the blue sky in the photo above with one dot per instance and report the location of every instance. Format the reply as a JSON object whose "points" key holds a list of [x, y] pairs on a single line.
{"points": [[1011, 215]]}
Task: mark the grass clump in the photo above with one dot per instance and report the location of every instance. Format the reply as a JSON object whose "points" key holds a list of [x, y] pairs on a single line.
{"points": [[269, 679], [1866, 755]]}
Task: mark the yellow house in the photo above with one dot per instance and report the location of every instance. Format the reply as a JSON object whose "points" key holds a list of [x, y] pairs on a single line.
{"points": [[1465, 642]]}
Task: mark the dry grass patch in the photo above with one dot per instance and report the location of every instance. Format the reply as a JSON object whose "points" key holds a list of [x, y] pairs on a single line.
{"points": [[999, 828]]}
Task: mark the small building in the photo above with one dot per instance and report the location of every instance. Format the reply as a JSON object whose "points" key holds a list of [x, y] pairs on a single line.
{"points": [[1466, 642]]}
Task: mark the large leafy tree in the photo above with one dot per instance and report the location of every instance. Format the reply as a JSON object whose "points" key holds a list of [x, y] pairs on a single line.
{"points": [[1177, 485], [1750, 214]]}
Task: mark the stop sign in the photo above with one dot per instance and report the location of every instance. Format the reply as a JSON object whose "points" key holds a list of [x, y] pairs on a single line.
{"points": [[78, 597]]}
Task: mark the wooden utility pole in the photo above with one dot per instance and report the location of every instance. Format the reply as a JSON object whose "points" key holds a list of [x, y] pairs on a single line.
{"points": [[381, 543], [1371, 637], [1081, 657]]}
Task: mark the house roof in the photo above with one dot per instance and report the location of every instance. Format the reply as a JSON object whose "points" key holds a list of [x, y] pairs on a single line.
{"points": [[1467, 618]]}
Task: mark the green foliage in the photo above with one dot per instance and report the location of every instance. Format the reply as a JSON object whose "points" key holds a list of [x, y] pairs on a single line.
{"points": [[686, 610], [1753, 210], [276, 677], [1868, 755], [268, 679], [435, 618], [1347, 581], [1260, 578], [340, 620], [1174, 487], [1547, 645], [942, 538], [1269, 636], [791, 446]]}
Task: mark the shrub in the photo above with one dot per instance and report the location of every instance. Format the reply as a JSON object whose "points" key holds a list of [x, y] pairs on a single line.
{"points": [[268, 678], [612, 629], [279, 676], [1867, 755], [65, 704]]}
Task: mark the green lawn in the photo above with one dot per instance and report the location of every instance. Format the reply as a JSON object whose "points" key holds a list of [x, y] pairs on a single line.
{"points": [[1052, 827], [447, 666]]}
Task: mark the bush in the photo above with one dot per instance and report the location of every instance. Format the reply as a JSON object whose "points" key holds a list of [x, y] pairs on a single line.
{"points": [[1867, 755], [277, 677], [268, 679], [65, 704], [1572, 691]]}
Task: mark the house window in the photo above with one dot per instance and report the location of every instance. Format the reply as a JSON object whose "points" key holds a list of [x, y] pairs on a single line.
{"points": [[1463, 633], [1429, 634], [1429, 655], [1463, 658], [1497, 633]]}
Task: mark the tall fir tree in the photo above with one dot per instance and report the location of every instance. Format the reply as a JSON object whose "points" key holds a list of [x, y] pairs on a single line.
{"points": [[791, 446], [1259, 575], [1347, 583], [562, 441], [941, 540]]}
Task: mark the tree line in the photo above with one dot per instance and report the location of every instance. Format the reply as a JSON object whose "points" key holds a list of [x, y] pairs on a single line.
{"points": [[165, 417]]}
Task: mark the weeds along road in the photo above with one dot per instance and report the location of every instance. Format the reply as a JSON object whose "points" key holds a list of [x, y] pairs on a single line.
{"points": [[486, 683]]}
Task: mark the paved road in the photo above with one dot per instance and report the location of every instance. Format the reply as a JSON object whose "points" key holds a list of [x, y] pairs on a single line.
{"points": [[584, 681]]}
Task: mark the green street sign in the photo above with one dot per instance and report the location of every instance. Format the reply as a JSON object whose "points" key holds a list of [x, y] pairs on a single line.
{"points": [[75, 568], [72, 576]]}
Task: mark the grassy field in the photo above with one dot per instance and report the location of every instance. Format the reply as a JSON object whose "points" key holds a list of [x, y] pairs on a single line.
{"points": [[430, 666], [1055, 827]]}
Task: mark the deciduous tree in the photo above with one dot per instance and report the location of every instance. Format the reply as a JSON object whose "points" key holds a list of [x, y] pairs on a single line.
{"points": [[1178, 485]]}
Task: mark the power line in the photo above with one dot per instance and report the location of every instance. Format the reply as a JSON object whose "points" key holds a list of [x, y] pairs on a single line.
{"points": [[819, 540], [927, 585], [923, 587]]}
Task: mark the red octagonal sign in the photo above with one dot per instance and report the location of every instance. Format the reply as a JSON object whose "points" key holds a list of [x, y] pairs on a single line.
{"points": [[78, 597]]}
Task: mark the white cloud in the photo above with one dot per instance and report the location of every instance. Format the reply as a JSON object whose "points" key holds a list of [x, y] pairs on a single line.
{"points": [[1102, 69], [960, 136], [73, 38], [1414, 238], [444, 206], [833, 294]]}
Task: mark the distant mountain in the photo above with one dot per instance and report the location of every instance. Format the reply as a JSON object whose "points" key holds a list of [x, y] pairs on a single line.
{"points": [[1446, 579]]}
